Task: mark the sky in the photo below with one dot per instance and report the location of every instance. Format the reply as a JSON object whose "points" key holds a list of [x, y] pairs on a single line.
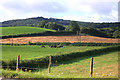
{"points": [[78, 10]]}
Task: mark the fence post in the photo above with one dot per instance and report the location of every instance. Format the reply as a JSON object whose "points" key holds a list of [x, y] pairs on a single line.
{"points": [[18, 60], [8, 65], [49, 65], [91, 67]]}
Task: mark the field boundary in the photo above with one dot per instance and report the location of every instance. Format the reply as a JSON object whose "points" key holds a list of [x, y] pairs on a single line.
{"points": [[47, 33], [62, 44], [42, 63]]}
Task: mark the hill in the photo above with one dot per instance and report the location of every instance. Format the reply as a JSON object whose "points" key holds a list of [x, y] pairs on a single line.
{"points": [[18, 30], [36, 20], [109, 29]]}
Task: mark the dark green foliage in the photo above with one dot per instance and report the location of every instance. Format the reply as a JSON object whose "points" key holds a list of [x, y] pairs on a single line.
{"points": [[94, 32], [74, 27], [66, 44], [54, 26], [42, 24], [33, 21], [116, 34], [36, 20], [29, 43]]}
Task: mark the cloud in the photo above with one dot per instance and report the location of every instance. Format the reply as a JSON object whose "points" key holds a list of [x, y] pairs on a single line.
{"points": [[95, 10], [79, 10], [119, 11], [40, 6]]}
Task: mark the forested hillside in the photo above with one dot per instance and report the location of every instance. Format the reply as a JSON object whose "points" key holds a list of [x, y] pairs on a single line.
{"points": [[36, 20], [109, 29]]}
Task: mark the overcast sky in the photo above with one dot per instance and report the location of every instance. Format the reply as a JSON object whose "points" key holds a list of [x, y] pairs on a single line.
{"points": [[79, 10]]}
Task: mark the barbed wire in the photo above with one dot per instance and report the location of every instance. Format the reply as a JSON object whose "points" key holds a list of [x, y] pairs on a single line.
{"points": [[40, 68]]}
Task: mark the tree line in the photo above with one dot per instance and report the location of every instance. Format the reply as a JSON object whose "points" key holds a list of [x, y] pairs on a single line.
{"points": [[78, 28]]}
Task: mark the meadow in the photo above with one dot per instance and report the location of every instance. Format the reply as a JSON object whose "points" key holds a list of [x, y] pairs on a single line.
{"points": [[32, 51], [105, 66], [6, 31], [67, 62]]}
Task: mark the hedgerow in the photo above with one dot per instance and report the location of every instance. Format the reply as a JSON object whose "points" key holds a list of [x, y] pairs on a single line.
{"points": [[43, 62], [64, 44]]}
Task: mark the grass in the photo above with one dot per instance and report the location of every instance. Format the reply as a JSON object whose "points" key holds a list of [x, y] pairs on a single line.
{"points": [[105, 62], [22, 30], [105, 66], [30, 52]]}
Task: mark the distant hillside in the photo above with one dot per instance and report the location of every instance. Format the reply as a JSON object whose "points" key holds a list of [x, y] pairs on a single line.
{"points": [[23, 30], [33, 21], [36, 20]]}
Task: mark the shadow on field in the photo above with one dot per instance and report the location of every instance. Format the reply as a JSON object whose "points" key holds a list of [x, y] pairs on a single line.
{"points": [[47, 33], [42, 63]]}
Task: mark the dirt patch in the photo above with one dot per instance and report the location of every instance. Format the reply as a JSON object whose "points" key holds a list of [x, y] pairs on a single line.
{"points": [[70, 39]]}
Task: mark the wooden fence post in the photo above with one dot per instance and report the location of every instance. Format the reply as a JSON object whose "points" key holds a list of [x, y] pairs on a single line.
{"points": [[8, 65], [49, 65], [18, 60], [91, 67]]}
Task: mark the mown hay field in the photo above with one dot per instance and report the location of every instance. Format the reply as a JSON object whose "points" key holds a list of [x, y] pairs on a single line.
{"points": [[71, 39]]}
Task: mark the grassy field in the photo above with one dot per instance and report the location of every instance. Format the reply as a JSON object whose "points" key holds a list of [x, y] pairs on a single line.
{"points": [[30, 52], [105, 66], [22, 30], [105, 62]]}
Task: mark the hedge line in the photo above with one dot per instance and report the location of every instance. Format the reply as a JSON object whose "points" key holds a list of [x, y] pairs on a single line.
{"points": [[65, 44], [47, 33], [43, 62]]}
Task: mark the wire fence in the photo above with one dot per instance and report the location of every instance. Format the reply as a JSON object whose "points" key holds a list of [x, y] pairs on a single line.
{"points": [[49, 65]]}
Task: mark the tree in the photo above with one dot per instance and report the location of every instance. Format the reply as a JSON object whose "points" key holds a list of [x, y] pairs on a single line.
{"points": [[54, 26], [74, 27], [43, 24], [116, 34]]}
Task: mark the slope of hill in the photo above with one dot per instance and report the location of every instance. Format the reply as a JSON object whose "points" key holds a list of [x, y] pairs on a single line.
{"points": [[33, 21], [36, 20], [6, 31]]}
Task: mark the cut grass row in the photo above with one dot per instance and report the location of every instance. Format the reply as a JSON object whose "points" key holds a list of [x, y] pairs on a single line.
{"points": [[7, 31]]}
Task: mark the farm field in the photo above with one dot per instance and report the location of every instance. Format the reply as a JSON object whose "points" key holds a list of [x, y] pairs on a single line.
{"points": [[71, 39], [31, 52], [105, 66], [22, 30]]}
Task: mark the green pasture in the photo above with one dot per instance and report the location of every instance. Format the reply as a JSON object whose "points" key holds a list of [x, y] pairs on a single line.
{"points": [[105, 66], [105, 61], [22, 30], [33, 51]]}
